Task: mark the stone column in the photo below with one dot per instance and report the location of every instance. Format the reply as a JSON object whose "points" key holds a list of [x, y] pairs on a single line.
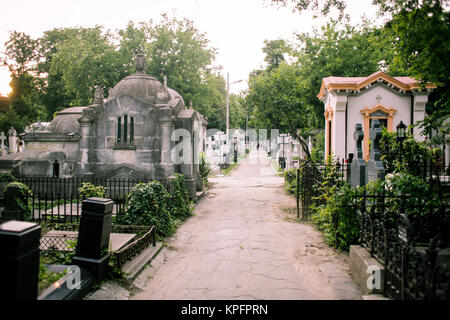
{"points": [[338, 130], [167, 125], [87, 132], [19, 260], [93, 236], [420, 101]]}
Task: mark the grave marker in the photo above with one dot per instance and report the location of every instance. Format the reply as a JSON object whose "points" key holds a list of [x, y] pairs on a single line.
{"points": [[358, 167], [19, 260], [375, 169]]}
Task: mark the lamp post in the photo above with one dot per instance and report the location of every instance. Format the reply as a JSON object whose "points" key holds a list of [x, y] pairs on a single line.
{"points": [[401, 135], [228, 100]]}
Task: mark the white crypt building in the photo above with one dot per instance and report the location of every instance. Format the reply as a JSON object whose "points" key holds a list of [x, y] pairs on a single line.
{"points": [[351, 100]]}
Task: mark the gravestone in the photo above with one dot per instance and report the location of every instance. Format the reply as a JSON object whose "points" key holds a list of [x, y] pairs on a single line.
{"points": [[12, 139], [375, 169], [19, 260], [2, 145], [358, 167], [93, 236]]}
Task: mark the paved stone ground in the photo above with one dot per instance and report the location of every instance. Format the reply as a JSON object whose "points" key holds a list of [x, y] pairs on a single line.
{"points": [[243, 243]]}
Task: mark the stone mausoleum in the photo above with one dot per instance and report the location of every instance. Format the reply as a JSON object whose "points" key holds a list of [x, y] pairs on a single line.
{"points": [[127, 135]]}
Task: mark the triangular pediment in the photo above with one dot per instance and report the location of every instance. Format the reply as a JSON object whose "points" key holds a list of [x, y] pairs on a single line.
{"points": [[126, 173]]}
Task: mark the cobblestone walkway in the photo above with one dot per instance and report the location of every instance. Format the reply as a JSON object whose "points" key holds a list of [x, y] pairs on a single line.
{"points": [[243, 243]]}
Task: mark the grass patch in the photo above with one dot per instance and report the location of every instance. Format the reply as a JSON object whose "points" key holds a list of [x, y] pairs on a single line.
{"points": [[228, 170]]}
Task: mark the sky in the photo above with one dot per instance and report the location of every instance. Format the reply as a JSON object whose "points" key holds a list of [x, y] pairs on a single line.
{"points": [[236, 28]]}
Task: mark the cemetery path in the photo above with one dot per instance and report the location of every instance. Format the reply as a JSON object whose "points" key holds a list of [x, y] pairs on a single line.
{"points": [[243, 243]]}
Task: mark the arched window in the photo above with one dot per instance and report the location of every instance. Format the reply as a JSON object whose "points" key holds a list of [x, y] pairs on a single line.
{"points": [[125, 129]]}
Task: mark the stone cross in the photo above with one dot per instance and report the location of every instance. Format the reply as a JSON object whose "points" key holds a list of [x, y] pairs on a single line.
{"points": [[358, 167], [375, 169], [358, 136], [12, 139], [2, 146], [165, 82]]}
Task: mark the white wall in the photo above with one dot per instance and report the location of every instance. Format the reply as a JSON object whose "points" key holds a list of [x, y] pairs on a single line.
{"points": [[390, 98]]}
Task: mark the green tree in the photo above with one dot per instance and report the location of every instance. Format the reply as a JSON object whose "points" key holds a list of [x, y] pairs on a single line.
{"points": [[275, 51], [53, 94], [19, 56], [339, 49], [322, 6], [416, 37], [20, 52], [422, 42], [87, 60], [175, 48], [278, 102]]}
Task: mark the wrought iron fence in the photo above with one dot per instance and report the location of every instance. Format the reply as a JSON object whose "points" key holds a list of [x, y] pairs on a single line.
{"points": [[310, 182], [63, 237], [412, 245], [58, 200]]}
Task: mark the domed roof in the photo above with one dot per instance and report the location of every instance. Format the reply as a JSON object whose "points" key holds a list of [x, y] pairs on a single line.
{"points": [[142, 86], [66, 121], [138, 85]]}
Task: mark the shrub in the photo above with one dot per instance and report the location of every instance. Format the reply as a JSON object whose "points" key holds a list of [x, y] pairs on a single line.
{"points": [[290, 180], [338, 218], [147, 205], [24, 199], [7, 177], [408, 157], [179, 205], [204, 171], [88, 190]]}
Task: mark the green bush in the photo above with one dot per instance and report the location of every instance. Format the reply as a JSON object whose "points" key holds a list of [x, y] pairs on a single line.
{"points": [[406, 193], [7, 177], [147, 205], [88, 190], [204, 171], [338, 218], [290, 180], [179, 205], [24, 200], [406, 157]]}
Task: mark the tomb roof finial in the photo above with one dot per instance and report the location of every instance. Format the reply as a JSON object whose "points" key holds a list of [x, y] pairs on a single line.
{"points": [[141, 64]]}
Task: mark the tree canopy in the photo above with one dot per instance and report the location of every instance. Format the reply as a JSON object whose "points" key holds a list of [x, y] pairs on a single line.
{"points": [[416, 43], [62, 68]]}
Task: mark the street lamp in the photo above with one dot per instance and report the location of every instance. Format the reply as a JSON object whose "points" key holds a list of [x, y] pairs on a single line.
{"points": [[401, 136], [401, 131], [228, 100]]}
